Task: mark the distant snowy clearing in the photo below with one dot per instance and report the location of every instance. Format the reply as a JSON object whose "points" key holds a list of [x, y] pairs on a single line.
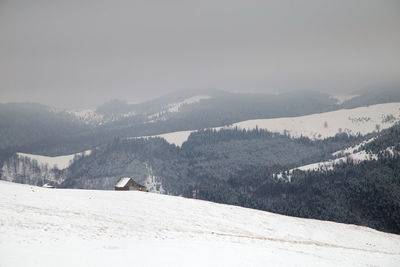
{"points": [[340, 99], [362, 120], [355, 121], [66, 227], [59, 162], [176, 107], [350, 154]]}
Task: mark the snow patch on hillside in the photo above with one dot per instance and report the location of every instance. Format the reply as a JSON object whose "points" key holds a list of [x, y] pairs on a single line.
{"points": [[59, 162], [340, 99], [175, 138], [191, 100], [350, 154], [88, 116], [352, 149], [328, 165], [175, 107], [66, 227], [362, 120]]}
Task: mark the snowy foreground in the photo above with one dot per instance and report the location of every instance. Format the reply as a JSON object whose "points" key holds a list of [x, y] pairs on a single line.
{"points": [[66, 227]]}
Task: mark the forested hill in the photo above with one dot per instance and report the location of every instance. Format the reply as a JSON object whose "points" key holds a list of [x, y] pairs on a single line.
{"points": [[364, 194], [37, 129], [237, 166], [207, 156], [233, 165]]}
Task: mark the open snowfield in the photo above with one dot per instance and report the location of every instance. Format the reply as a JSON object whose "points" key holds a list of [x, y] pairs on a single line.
{"points": [[342, 156], [66, 227], [362, 120], [59, 162]]}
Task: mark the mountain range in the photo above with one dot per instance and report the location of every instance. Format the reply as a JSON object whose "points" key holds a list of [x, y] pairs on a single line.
{"points": [[253, 150]]}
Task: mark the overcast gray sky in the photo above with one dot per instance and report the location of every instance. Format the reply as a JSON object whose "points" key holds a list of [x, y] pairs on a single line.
{"points": [[80, 53]]}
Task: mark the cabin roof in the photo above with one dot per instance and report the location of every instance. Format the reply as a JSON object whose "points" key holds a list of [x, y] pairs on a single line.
{"points": [[123, 181]]}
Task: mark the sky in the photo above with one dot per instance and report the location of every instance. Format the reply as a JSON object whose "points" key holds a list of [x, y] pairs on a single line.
{"points": [[81, 53]]}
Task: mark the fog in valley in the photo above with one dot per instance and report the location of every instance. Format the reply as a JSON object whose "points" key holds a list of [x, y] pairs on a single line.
{"points": [[75, 54]]}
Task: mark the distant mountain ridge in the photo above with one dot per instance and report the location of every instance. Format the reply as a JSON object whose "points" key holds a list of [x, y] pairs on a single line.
{"points": [[233, 164], [37, 129]]}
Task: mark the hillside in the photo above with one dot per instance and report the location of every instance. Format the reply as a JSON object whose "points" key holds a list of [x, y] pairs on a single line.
{"points": [[361, 188], [38, 129], [361, 120], [60, 227]]}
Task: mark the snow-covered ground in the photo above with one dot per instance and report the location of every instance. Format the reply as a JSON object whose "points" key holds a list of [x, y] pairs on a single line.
{"points": [[356, 158], [340, 99], [88, 116], [66, 227], [362, 120], [191, 100], [342, 156], [353, 154], [176, 138], [175, 107], [353, 149], [59, 162]]}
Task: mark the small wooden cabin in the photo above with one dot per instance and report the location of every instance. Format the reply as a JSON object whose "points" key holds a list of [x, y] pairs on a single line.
{"points": [[126, 184]]}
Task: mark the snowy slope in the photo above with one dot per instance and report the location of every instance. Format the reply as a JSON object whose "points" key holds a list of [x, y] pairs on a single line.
{"points": [[340, 99], [93, 117], [88, 116], [342, 156], [61, 227], [59, 162], [176, 107], [356, 158], [176, 138], [362, 120], [351, 154]]}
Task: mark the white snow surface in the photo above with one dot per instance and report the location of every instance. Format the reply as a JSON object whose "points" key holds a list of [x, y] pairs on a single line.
{"points": [[175, 107], [191, 100], [59, 162], [176, 138], [88, 116], [352, 149], [355, 158], [362, 120], [342, 156], [69, 227], [340, 99]]}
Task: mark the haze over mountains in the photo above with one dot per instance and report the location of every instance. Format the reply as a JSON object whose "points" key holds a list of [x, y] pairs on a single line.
{"points": [[262, 132], [207, 108]]}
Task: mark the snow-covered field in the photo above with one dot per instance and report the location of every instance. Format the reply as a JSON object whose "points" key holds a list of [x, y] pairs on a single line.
{"points": [[362, 120], [355, 158], [88, 116], [175, 107], [340, 99], [342, 156], [66, 227], [59, 162]]}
